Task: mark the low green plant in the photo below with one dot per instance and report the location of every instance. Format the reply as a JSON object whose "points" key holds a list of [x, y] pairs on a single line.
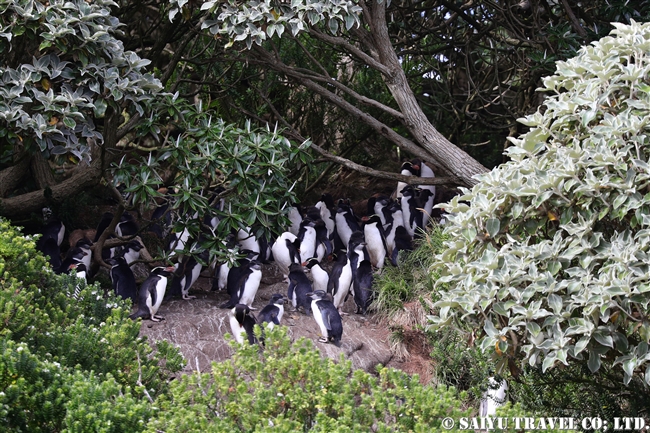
{"points": [[287, 386], [71, 357]]}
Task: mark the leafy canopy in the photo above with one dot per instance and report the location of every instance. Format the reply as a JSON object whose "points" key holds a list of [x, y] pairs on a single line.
{"points": [[550, 252]]}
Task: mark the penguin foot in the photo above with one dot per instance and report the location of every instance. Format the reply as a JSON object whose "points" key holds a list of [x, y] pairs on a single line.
{"points": [[157, 318], [187, 297], [323, 340]]}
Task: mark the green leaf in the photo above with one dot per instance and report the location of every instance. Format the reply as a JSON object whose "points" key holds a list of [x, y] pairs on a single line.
{"points": [[492, 226]]}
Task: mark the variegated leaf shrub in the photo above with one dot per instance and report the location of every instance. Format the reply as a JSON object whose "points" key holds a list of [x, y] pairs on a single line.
{"points": [[549, 253]]}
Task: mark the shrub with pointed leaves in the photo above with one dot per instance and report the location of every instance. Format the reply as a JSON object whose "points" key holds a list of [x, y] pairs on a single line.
{"points": [[550, 252]]}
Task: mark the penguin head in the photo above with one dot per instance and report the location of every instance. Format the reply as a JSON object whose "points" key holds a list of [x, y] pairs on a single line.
{"points": [[277, 299], [328, 200], [318, 295], [84, 243], [374, 219], [310, 263], [240, 311], [296, 267], [164, 271], [256, 265]]}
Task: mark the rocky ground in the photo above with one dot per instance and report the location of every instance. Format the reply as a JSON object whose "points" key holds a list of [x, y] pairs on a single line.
{"points": [[198, 326]]}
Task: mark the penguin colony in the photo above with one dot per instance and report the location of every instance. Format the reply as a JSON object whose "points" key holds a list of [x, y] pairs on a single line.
{"points": [[326, 235]]}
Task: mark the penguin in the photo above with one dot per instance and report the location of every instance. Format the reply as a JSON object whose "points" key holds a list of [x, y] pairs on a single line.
{"points": [[130, 251], [382, 208], [395, 219], [272, 313], [295, 217], [346, 223], [363, 294], [152, 293], [324, 245], [408, 203], [373, 233], [426, 171], [327, 317], [103, 224], [53, 227], [285, 252], [177, 241], [248, 241], [237, 277], [307, 239], [319, 275], [407, 169], [220, 277], [494, 397], [421, 216], [242, 323], [326, 209], [74, 255], [299, 286], [86, 246], [79, 269], [402, 243], [340, 280], [357, 251], [122, 278], [50, 248], [250, 283], [127, 226]]}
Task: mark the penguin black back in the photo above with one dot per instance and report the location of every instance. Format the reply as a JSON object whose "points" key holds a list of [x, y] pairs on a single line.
{"points": [[299, 287], [363, 294], [123, 280]]}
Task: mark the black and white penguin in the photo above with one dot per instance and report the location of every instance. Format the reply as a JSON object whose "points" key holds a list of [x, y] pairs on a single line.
{"points": [[402, 243], [357, 251], [408, 169], [326, 209], [373, 233], [103, 224], [295, 218], [299, 286], [250, 283], [50, 248], [242, 324], [409, 204], [395, 219], [346, 222], [285, 252], [362, 286], [127, 226], [248, 241], [324, 245], [74, 255], [220, 277], [122, 278], [130, 251], [327, 316], [272, 313], [320, 276], [427, 206], [152, 293], [80, 270], [86, 246], [53, 227], [307, 239], [238, 276], [340, 279]]}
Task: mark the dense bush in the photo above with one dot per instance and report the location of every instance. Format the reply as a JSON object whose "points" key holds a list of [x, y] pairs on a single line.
{"points": [[73, 362], [291, 387], [549, 253]]}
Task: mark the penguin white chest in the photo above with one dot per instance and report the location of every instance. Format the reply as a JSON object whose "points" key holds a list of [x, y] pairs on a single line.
{"points": [[318, 316], [238, 331], [250, 288], [375, 245], [345, 280], [308, 244], [159, 288], [321, 278], [343, 228], [224, 269]]}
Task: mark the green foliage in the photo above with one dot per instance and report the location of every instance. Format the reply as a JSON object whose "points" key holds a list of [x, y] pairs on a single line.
{"points": [[289, 387], [62, 67], [411, 279], [548, 254], [252, 165], [66, 360]]}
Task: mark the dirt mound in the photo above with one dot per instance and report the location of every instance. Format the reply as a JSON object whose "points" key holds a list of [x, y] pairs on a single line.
{"points": [[197, 327]]}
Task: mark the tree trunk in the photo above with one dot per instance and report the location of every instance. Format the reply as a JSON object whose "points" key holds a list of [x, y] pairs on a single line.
{"points": [[11, 177], [446, 154]]}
